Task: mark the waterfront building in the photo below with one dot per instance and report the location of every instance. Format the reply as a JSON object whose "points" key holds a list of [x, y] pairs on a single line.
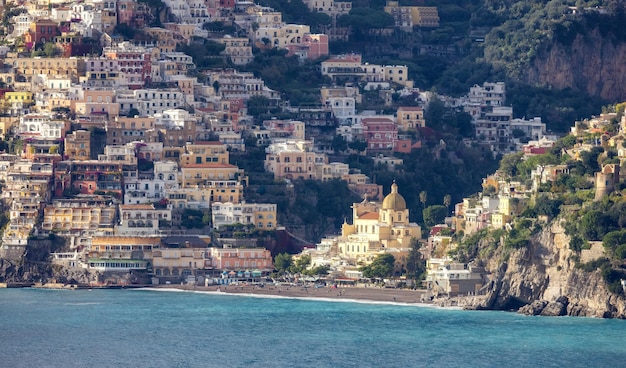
{"points": [[84, 215], [377, 228], [234, 259], [173, 263], [450, 278]]}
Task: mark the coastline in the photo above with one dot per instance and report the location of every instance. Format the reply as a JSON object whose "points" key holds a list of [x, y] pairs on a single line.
{"points": [[347, 294]]}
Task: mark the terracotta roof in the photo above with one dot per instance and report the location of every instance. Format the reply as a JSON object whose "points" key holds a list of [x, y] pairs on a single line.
{"points": [[209, 166], [343, 61], [136, 207], [377, 120], [208, 143], [96, 240], [369, 216]]}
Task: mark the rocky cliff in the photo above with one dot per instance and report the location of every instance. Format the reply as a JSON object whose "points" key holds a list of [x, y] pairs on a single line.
{"points": [[592, 63], [542, 279]]}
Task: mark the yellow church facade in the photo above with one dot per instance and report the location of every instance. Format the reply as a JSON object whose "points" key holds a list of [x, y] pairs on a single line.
{"points": [[377, 228]]}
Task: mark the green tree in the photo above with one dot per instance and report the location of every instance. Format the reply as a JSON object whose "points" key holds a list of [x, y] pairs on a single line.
{"points": [[358, 145], [192, 219], [381, 266], [259, 106], [339, 144], [508, 164], [300, 264], [434, 215], [548, 207], [576, 243], [594, 225], [50, 49], [434, 113], [415, 265], [282, 262], [321, 270], [612, 241]]}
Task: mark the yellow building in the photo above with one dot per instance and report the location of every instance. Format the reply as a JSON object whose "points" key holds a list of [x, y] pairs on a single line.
{"points": [[294, 160], [78, 145], [200, 174], [18, 100], [7, 124], [123, 247], [165, 41], [409, 16], [183, 262], [410, 118], [204, 152], [28, 67], [377, 228], [201, 196], [97, 102], [72, 216], [238, 49]]}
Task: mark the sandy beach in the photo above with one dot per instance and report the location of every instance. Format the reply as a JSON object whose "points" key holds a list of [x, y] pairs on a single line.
{"points": [[374, 294]]}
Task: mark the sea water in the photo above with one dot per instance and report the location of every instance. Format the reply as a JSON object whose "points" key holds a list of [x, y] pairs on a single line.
{"points": [[141, 328]]}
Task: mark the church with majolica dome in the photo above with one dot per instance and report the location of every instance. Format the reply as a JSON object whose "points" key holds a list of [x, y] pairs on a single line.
{"points": [[377, 228]]}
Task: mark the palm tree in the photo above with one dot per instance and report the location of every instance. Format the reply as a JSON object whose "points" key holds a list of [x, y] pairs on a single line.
{"points": [[423, 198], [447, 200]]}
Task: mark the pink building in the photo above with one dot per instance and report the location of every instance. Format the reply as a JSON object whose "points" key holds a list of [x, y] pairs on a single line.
{"points": [[313, 46], [380, 133], [227, 4], [125, 11], [134, 63], [233, 259]]}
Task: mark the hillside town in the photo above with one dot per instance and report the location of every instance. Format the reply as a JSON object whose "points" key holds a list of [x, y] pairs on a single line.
{"points": [[121, 150]]}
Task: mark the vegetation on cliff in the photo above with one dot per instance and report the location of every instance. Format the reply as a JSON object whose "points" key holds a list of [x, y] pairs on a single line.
{"points": [[568, 200]]}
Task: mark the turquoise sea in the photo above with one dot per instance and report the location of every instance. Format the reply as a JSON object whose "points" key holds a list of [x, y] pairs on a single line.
{"points": [[141, 328]]}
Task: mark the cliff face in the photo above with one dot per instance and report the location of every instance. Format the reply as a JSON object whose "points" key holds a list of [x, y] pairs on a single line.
{"points": [[542, 279], [592, 63]]}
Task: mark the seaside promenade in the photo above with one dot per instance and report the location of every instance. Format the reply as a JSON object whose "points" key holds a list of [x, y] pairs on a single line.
{"points": [[375, 294]]}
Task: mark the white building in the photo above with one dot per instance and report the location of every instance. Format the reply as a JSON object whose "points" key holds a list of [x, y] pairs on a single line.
{"points": [[172, 118], [154, 186], [40, 126], [150, 101], [343, 108], [141, 220], [261, 215]]}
